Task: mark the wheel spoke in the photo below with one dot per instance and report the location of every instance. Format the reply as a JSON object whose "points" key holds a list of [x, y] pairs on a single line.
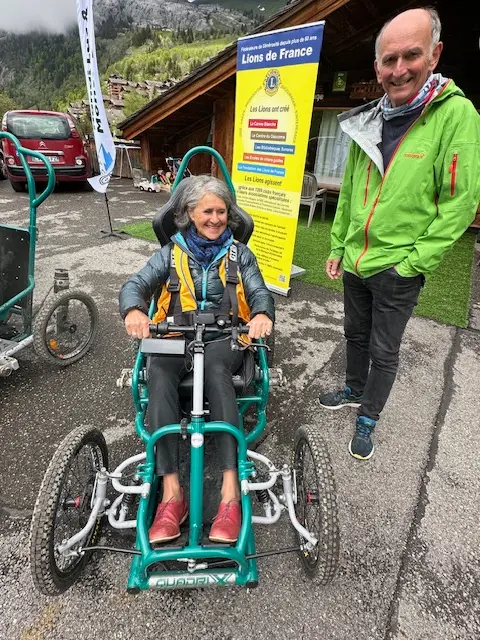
{"points": [[64, 330], [69, 329], [77, 492]]}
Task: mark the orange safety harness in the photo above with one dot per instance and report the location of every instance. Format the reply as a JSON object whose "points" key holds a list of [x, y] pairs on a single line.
{"points": [[177, 302]]}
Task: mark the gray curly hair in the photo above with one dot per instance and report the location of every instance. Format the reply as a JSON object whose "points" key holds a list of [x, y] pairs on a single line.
{"points": [[200, 186]]}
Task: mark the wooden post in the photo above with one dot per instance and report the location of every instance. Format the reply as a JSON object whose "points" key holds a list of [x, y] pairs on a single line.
{"points": [[223, 129], [145, 152]]}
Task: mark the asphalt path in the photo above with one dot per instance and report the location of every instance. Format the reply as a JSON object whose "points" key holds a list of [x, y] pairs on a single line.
{"points": [[408, 518]]}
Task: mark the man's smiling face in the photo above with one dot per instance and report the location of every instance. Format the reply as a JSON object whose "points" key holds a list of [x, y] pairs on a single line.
{"points": [[405, 56]]}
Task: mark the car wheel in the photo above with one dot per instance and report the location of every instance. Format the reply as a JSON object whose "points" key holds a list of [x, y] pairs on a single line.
{"points": [[19, 187], [3, 171]]}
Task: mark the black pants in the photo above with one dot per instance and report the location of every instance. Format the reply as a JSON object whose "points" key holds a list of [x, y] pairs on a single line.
{"points": [[377, 310], [164, 375]]}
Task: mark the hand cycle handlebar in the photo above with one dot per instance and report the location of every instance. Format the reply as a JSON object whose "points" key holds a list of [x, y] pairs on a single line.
{"points": [[199, 329], [163, 328]]}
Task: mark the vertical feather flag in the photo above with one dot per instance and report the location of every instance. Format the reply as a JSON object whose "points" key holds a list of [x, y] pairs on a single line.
{"points": [[101, 130]]}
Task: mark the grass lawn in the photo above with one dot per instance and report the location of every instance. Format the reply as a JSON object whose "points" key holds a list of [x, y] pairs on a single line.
{"points": [[445, 297]]}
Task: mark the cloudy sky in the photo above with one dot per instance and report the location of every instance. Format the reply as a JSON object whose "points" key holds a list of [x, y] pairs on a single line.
{"points": [[25, 15]]}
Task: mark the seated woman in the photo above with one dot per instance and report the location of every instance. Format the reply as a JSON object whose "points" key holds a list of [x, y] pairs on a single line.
{"points": [[202, 244]]}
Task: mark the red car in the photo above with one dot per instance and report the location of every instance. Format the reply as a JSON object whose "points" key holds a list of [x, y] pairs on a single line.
{"points": [[53, 134]]}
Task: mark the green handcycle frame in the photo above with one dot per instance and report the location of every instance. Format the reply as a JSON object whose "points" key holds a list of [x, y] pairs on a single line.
{"points": [[197, 428], [205, 564], [21, 304], [247, 571]]}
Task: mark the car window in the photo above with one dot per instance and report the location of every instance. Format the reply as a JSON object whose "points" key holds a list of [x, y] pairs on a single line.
{"points": [[28, 126]]}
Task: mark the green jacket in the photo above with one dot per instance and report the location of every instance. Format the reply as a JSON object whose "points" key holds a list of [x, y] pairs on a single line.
{"points": [[410, 214]]}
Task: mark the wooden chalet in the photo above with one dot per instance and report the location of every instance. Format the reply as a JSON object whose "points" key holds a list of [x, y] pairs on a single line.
{"points": [[200, 109]]}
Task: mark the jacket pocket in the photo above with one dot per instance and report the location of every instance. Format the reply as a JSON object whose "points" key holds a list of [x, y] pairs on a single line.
{"points": [[453, 173], [365, 197], [393, 272]]}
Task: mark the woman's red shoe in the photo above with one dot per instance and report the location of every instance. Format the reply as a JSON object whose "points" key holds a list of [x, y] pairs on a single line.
{"points": [[226, 524], [168, 518]]}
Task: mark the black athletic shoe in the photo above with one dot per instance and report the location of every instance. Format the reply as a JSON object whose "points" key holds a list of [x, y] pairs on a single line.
{"points": [[361, 445], [338, 399]]}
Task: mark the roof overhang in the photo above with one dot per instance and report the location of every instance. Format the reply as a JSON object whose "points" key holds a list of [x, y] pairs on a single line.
{"points": [[220, 68]]}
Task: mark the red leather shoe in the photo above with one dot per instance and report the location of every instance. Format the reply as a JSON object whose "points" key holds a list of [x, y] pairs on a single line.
{"points": [[168, 518], [226, 524]]}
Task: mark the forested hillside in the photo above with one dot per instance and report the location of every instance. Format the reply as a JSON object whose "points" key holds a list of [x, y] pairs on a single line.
{"points": [[39, 70], [45, 71], [170, 59]]}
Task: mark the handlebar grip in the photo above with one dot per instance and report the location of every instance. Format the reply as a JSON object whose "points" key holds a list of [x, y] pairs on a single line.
{"points": [[241, 328], [161, 328]]}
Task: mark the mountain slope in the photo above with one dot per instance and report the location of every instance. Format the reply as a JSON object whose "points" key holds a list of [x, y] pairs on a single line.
{"points": [[42, 70]]}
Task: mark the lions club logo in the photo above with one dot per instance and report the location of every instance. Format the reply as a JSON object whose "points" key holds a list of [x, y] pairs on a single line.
{"points": [[272, 82]]}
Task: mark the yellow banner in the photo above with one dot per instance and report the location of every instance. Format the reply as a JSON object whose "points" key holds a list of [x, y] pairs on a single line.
{"points": [[276, 78]]}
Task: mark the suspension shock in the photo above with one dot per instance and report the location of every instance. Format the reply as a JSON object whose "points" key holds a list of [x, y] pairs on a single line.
{"points": [[262, 496], [128, 498]]}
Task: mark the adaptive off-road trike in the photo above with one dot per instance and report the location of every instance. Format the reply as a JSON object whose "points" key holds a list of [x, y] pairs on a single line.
{"points": [[64, 325], [75, 495]]}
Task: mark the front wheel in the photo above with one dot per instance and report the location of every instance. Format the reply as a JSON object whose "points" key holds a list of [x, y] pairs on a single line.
{"points": [[64, 330], [62, 509], [316, 504]]}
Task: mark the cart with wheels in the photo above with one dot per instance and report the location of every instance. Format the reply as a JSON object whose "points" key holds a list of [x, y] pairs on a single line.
{"points": [[65, 325]]}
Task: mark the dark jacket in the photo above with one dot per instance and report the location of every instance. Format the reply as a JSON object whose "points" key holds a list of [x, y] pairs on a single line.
{"points": [[137, 292]]}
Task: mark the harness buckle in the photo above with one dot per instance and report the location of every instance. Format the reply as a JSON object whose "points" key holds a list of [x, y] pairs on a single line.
{"points": [[173, 287]]}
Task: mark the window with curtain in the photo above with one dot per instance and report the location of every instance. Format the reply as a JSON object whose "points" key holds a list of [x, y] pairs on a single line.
{"points": [[328, 148]]}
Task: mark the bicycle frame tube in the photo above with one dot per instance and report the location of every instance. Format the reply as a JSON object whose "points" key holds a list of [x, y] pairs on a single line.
{"points": [[194, 551], [246, 573], [212, 152], [32, 229]]}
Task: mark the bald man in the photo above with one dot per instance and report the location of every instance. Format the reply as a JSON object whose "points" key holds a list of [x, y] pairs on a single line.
{"points": [[410, 190]]}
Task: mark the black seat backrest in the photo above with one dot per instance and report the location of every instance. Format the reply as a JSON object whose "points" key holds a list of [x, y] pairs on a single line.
{"points": [[164, 225], [14, 254]]}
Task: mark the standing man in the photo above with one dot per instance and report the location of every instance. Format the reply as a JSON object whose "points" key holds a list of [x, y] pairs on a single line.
{"points": [[410, 190]]}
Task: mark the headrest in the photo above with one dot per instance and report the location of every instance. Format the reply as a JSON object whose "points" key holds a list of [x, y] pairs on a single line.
{"points": [[165, 228]]}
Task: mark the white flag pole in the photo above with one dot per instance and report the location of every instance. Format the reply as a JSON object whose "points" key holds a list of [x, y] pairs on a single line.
{"points": [[104, 144]]}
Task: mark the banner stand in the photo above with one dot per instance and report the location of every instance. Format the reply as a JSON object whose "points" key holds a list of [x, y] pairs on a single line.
{"points": [[294, 273], [272, 124], [115, 233]]}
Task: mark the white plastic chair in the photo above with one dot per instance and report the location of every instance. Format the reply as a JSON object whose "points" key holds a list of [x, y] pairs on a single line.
{"points": [[311, 195]]}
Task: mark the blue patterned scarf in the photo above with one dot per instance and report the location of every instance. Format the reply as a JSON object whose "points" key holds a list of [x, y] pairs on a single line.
{"points": [[205, 251], [429, 90]]}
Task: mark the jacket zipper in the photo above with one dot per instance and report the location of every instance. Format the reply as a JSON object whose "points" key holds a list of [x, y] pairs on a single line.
{"points": [[370, 215], [205, 277], [365, 198], [453, 171]]}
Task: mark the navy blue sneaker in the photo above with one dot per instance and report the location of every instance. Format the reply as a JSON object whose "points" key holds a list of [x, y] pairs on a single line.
{"points": [[338, 399], [361, 445]]}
